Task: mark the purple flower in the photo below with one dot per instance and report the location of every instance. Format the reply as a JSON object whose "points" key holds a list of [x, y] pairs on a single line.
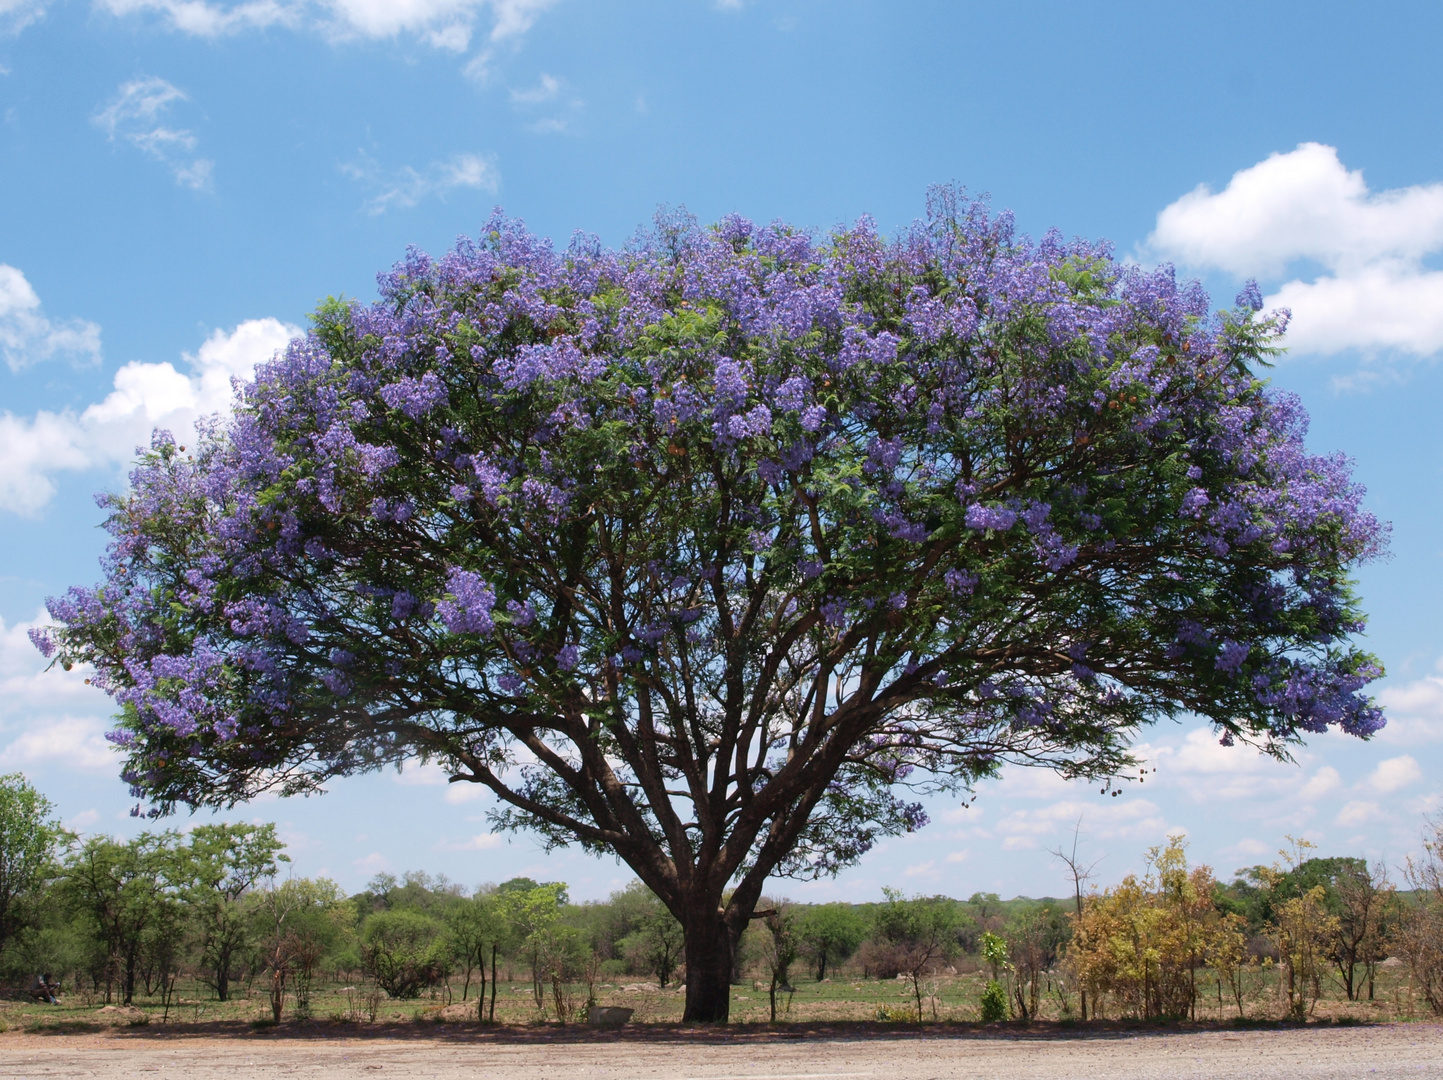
{"points": [[415, 397], [997, 518], [467, 610]]}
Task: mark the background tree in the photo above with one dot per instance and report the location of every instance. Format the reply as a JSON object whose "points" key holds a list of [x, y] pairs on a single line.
{"points": [[714, 551], [830, 933], [780, 947], [1081, 875], [1143, 941], [123, 892], [655, 945], [29, 836], [226, 861], [995, 1003], [400, 950], [923, 931], [1302, 928], [1036, 938], [1363, 903], [473, 926], [530, 910], [1420, 924]]}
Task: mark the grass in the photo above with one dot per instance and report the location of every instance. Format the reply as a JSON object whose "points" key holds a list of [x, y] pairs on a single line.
{"points": [[950, 998]]}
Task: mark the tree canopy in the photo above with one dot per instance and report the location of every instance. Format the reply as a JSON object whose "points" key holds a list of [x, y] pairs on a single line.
{"points": [[716, 550]]}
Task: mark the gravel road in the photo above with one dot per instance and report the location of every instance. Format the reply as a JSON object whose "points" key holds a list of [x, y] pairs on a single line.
{"points": [[1382, 1052]]}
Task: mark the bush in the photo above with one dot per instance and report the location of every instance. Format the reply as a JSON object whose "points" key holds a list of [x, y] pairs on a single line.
{"points": [[994, 1002], [400, 950]]}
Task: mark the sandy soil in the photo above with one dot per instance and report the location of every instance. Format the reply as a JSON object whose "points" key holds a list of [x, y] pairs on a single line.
{"points": [[1383, 1051]]}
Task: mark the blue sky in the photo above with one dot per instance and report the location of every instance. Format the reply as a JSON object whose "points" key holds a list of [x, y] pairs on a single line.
{"points": [[182, 180]]}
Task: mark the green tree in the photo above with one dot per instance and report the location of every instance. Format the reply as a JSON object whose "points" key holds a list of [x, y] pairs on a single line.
{"points": [[123, 891], [294, 923], [830, 933], [226, 862], [29, 836], [530, 912], [401, 950], [655, 939], [780, 949], [473, 926], [1036, 938], [1419, 935], [922, 930]]}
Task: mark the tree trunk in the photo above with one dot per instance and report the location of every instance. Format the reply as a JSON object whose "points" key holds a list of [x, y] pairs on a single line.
{"points": [[710, 948], [222, 974], [492, 1015]]}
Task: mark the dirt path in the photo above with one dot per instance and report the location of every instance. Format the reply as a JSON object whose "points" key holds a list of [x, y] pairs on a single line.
{"points": [[1375, 1053]]}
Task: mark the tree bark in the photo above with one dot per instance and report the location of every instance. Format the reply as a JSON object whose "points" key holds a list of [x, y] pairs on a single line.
{"points": [[710, 947]]}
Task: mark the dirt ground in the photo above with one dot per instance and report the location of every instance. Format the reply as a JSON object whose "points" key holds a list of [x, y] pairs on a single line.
{"points": [[1381, 1051]]}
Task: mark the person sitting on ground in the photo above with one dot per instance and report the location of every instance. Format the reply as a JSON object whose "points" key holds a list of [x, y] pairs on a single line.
{"points": [[43, 989]]}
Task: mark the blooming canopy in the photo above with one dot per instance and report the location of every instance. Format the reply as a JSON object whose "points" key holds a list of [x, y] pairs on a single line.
{"points": [[714, 550]]}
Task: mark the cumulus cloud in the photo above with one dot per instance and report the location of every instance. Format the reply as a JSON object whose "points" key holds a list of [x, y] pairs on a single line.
{"points": [[1373, 291], [48, 716], [1136, 819], [481, 842], [445, 24], [144, 397], [136, 115], [28, 336], [407, 186], [1358, 812], [545, 90], [16, 15], [1394, 774], [209, 20], [1415, 712]]}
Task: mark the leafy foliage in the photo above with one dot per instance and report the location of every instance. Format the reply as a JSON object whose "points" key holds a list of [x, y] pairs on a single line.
{"points": [[29, 836]]}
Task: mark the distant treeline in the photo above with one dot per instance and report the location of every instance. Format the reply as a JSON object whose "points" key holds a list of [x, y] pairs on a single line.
{"points": [[123, 918]]}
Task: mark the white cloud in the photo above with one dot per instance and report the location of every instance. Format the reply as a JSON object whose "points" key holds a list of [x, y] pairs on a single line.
{"points": [[16, 15], [1322, 782], [1394, 774], [515, 17], [212, 20], [417, 773], [48, 716], [1126, 819], [1249, 848], [76, 742], [1414, 711], [1358, 812], [1305, 206], [136, 116], [480, 842], [374, 863], [82, 820], [27, 336], [445, 24], [144, 397], [430, 774], [545, 90], [409, 186]]}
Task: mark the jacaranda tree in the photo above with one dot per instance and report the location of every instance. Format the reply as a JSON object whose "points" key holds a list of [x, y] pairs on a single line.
{"points": [[715, 551]]}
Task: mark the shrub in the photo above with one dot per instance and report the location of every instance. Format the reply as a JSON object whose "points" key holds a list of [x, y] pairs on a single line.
{"points": [[994, 1002], [400, 950]]}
